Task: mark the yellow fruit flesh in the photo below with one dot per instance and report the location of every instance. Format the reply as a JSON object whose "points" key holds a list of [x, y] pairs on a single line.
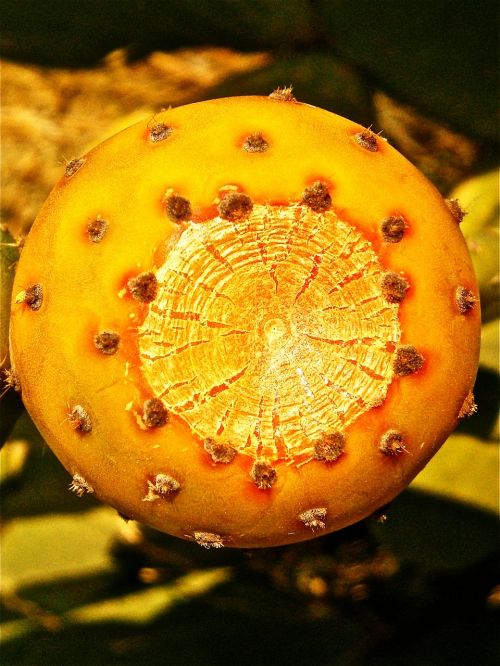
{"points": [[124, 181]]}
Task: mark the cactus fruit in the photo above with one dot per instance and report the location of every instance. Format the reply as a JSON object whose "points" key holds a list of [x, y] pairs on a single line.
{"points": [[246, 322]]}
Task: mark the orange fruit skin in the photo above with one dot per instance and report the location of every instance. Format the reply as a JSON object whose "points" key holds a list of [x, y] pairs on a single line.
{"points": [[124, 181]]}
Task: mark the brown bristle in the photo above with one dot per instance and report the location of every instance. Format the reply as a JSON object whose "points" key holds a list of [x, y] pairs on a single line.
{"points": [[178, 208], [283, 94], [394, 287], [367, 140], [469, 407], [32, 297], [235, 206], [221, 452], [80, 486], [163, 485], [314, 518], [393, 229], [263, 474], [208, 540], [330, 447], [456, 210], [154, 413], [11, 380], [408, 360], [107, 342], [143, 287], [96, 229], [73, 166], [255, 143], [317, 197], [391, 443], [465, 300], [159, 132], [79, 419]]}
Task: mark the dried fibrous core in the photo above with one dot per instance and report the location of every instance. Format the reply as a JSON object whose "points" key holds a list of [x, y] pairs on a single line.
{"points": [[465, 300], [80, 486], [73, 166], [143, 287], [394, 287], [329, 447], [178, 208], [255, 143], [107, 342], [456, 209], [235, 206], [367, 140], [317, 197], [220, 452], [163, 485], [391, 443], [159, 132], [263, 474], [154, 413], [79, 419], [408, 360], [32, 297], [314, 518], [270, 331], [283, 94], [96, 229], [393, 229], [469, 406], [208, 540]]}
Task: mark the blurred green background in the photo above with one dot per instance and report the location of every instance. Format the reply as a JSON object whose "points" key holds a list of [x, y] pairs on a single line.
{"points": [[418, 584]]}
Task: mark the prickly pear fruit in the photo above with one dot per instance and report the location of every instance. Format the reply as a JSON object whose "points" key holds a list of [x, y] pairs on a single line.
{"points": [[245, 322]]}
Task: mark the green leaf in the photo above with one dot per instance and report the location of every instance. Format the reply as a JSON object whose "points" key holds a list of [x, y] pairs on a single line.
{"points": [[464, 469]]}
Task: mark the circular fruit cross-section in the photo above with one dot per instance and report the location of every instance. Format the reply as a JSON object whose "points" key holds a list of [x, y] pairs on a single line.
{"points": [[245, 322], [267, 332]]}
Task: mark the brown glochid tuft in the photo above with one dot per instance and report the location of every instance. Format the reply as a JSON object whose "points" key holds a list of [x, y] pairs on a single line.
{"points": [[154, 413], [283, 94], [408, 360], [235, 206], [465, 300], [263, 474], [79, 419], [80, 486], [73, 166], [178, 208], [163, 485], [96, 229], [107, 342], [317, 197], [391, 443], [208, 540], [11, 380], [330, 447], [255, 143], [221, 452], [393, 228], [394, 287], [367, 140], [456, 210], [32, 297], [314, 518], [143, 287], [159, 132], [469, 406]]}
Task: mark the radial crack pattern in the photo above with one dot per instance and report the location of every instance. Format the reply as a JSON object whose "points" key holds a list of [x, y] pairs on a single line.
{"points": [[270, 332]]}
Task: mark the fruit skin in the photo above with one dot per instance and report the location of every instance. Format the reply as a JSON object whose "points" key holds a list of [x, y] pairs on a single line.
{"points": [[125, 181]]}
